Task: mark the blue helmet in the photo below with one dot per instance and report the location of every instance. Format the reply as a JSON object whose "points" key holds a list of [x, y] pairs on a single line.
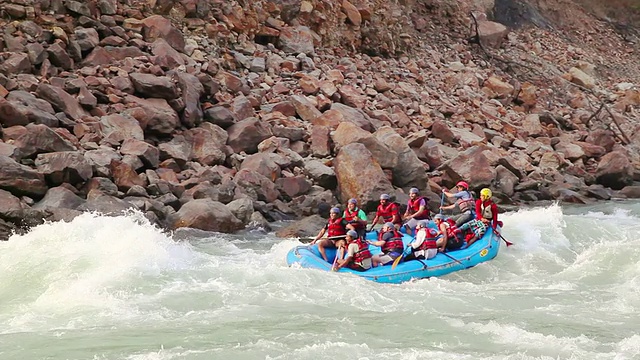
{"points": [[335, 210]]}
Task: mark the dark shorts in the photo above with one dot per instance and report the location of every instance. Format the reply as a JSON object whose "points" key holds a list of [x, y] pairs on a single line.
{"points": [[456, 242]]}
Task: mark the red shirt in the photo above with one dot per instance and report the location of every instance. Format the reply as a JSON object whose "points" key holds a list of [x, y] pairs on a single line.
{"points": [[494, 211]]}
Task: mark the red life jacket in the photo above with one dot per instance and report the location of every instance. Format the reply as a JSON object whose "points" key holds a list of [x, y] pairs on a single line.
{"points": [[353, 216], [395, 243], [456, 237], [362, 254], [414, 206], [335, 228], [430, 240], [386, 213]]}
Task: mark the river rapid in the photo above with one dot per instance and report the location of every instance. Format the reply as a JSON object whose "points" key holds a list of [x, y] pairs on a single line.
{"points": [[118, 288]]}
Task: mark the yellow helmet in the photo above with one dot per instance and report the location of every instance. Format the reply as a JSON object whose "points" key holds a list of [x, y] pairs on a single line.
{"points": [[486, 193]]}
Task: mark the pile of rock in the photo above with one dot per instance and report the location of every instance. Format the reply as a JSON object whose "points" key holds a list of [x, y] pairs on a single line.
{"points": [[105, 106]]}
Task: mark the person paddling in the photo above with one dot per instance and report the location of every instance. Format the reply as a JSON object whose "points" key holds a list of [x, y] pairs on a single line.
{"points": [[463, 200], [336, 228], [390, 241], [424, 246]]}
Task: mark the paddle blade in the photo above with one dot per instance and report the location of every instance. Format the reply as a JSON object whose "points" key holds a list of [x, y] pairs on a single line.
{"points": [[396, 261]]}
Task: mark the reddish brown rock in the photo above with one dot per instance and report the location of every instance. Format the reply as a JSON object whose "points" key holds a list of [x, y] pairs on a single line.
{"points": [[615, 170], [205, 214], [247, 134], [352, 13], [208, 143], [40, 139], [293, 186], [124, 176], [255, 185], [472, 166], [151, 86], [409, 170], [320, 141], [348, 133], [16, 64], [305, 108], [364, 183], [157, 26], [296, 40], [148, 154], [61, 101], [64, 167]]}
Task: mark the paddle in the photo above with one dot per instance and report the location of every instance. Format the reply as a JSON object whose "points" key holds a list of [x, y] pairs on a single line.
{"points": [[452, 258], [309, 239], [509, 243], [335, 261], [399, 258], [441, 202]]}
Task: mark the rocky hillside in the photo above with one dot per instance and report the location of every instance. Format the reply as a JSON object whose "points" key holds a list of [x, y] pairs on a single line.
{"points": [[222, 115]]}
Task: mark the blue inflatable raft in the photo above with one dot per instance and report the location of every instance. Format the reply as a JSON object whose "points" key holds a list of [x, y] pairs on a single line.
{"points": [[481, 251]]}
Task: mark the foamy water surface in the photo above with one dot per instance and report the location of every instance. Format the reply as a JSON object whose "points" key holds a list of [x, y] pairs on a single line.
{"points": [[118, 288]]}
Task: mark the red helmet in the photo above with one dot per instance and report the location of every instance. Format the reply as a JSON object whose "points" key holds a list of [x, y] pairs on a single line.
{"points": [[463, 184]]}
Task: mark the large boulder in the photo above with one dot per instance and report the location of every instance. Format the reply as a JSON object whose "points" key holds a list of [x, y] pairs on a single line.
{"points": [[59, 197], [615, 170], [247, 134], [348, 133], [205, 214], [40, 139], [64, 167], [306, 227], [360, 176], [473, 166], [20, 179], [255, 185], [410, 170], [322, 174]]}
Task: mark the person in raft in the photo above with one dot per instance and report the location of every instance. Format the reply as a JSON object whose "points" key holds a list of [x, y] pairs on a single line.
{"points": [[463, 200], [390, 241], [387, 211], [356, 217], [424, 247], [450, 237], [416, 210], [336, 229], [358, 254], [486, 209]]}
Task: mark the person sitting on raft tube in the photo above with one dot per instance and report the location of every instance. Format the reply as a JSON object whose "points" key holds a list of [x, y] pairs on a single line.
{"points": [[486, 209], [336, 229], [424, 246], [477, 229], [356, 217], [358, 254], [465, 202], [451, 238], [390, 241], [416, 210], [387, 211]]}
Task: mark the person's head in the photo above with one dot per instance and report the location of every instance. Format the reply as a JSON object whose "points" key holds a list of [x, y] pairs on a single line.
{"points": [[421, 224], [352, 235], [485, 194], [387, 226], [438, 219], [352, 204], [384, 198], [334, 213], [414, 193], [462, 185]]}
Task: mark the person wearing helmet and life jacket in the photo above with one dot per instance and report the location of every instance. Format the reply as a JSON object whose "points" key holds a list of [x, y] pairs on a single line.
{"points": [[358, 254], [356, 217], [336, 229], [451, 237], [387, 211], [486, 209], [424, 247], [416, 210], [463, 200], [390, 241]]}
